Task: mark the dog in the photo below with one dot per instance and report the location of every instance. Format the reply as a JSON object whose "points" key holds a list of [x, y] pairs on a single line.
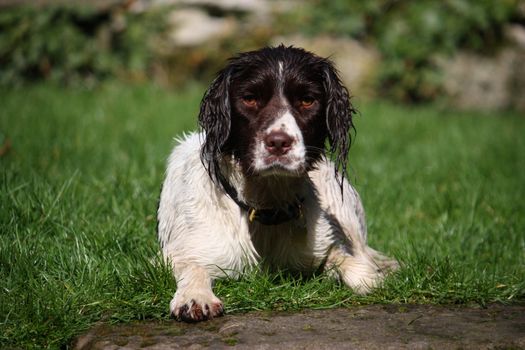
{"points": [[256, 184]]}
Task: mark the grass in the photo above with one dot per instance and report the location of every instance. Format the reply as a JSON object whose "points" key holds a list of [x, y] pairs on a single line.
{"points": [[443, 193]]}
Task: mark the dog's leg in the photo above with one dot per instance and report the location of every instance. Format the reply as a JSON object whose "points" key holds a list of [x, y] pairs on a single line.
{"points": [[194, 299], [362, 270], [349, 257]]}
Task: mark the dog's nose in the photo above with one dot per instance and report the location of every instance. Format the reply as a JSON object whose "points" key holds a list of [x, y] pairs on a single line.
{"points": [[278, 142]]}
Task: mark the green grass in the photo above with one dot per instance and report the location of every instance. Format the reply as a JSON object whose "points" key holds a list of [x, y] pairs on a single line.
{"points": [[78, 193]]}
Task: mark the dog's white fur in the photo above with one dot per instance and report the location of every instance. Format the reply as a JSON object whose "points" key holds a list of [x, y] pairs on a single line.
{"points": [[296, 158], [204, 234]]}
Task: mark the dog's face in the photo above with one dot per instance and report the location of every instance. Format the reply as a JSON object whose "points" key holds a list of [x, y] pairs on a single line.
{"points": [[278, 124], [272, 110]]}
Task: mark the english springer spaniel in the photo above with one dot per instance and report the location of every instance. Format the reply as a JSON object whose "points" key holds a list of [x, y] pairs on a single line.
{"points": [[256, 186]]}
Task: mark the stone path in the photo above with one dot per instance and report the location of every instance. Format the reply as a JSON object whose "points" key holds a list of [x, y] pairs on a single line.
{"points": [[370, 327]]}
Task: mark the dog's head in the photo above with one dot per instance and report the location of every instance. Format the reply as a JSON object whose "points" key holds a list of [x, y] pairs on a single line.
{"points": [[272, 109]]}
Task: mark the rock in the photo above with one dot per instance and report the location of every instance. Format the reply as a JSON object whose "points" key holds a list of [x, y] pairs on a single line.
{"points": [[357, 63], [370, 327], [252, 6], [474, 81], [192, 24], [516, 33], [192, 27]]}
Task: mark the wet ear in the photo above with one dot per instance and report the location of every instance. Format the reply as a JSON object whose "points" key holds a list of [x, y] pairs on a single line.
{"points": [[215, 120], [339, 113]]}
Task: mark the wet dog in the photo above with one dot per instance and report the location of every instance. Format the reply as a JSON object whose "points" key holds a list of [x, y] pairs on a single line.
{"points": [[258, 184]]}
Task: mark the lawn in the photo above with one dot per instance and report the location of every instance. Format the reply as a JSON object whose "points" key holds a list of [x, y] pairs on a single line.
{"points": [[443, 193]]}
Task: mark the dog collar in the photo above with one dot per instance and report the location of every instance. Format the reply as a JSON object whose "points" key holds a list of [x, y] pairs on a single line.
{"points": [[265, 216], [276, 216]]}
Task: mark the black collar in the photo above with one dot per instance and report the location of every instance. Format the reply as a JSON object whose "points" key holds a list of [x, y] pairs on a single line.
{"points": [[265, 216]]}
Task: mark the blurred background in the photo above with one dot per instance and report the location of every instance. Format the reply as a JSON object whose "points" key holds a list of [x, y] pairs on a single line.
{"points": [[465, 54], [93, 92]]}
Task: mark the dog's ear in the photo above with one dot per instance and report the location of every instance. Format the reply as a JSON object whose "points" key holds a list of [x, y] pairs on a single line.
{"points": [[215, 120], [339, 113]]}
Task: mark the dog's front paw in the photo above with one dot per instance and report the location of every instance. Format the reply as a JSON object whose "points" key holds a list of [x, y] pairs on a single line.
{"points": [[195, 307]]}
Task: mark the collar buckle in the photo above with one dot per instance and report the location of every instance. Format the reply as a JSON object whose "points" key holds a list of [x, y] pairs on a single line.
{"points": [[274, 216], [252, 212]]}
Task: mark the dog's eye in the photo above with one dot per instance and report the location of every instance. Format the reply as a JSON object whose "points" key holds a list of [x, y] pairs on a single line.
{"points": [[249, 100], [307, 101]]}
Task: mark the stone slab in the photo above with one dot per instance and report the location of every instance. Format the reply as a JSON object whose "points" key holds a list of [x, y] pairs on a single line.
{"points": [[368, 327]]}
